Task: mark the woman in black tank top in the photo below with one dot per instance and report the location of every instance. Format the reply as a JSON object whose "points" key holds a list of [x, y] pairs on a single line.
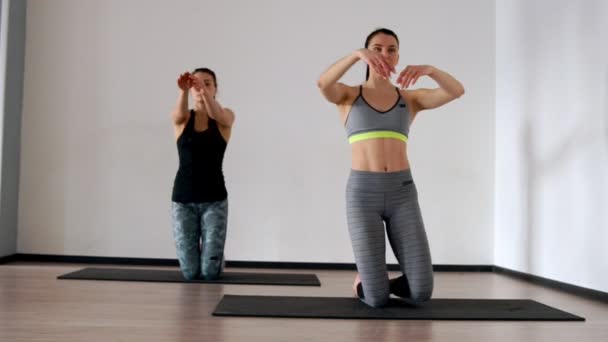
{"points": [[200, 199]]}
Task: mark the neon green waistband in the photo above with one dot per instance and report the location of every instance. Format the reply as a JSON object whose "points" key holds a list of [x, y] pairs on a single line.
{"points": [[376, 134]]}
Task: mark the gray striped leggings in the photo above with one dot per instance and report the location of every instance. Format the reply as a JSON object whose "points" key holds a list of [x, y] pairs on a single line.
{"points": [[376, 199]]}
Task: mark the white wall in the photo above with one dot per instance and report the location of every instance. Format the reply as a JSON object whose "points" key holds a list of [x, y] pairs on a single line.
{"points": [[99, 158], [5, 248], [12, 49], [3, 38], [552, 139]]}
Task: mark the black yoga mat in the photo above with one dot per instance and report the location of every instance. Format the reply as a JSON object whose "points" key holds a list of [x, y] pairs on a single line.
{"points": [[175, 276], [352, 308]]}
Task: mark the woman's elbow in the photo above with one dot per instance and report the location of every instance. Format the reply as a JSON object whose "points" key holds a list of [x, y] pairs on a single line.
{"points": [[460, 91], [320, 84]]}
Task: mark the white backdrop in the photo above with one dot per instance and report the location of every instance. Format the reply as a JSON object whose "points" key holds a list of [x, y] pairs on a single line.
{"points": [[99, 157]]}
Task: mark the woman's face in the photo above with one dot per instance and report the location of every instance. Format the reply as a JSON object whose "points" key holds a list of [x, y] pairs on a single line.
{"points": [[387, 46], [206, 81]]}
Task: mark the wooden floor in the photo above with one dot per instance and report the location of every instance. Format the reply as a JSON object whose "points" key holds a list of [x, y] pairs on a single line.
{"points": [[35, 306]]}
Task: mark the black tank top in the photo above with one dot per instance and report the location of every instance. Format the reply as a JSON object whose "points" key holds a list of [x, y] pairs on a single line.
{"points": [[200, 177]]}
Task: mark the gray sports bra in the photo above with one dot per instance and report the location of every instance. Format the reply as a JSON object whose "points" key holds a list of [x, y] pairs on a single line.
{"points": [[365, 122]]}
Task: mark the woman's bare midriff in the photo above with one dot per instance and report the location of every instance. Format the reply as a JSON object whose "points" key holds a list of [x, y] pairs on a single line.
{"points": [[376, 155], [379, 155]]}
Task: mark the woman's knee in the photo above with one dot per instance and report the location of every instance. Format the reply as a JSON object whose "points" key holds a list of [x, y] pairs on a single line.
{"points": [[212, 268], [420, 294], [190, 273], [377, 301]]}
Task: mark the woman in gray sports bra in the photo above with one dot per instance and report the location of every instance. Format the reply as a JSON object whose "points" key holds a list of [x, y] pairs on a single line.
{"points": [[380, 191]]}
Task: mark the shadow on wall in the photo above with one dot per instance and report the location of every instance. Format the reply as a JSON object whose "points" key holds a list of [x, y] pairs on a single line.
{"points": [[535, 167], [528, 156], [605, 109], [570, 148], [529, 178]]}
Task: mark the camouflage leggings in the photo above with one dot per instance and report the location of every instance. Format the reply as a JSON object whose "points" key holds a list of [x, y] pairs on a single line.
{"points": [[199, 230]]}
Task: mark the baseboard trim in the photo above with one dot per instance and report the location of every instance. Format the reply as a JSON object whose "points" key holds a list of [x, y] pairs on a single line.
{"points": [[7, 259], [348, 266], [77, 259], [554, 284], [81, 259]]}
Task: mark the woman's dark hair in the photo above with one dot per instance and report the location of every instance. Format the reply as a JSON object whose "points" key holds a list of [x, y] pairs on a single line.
{"points": [[372, 35], [208, 71]]}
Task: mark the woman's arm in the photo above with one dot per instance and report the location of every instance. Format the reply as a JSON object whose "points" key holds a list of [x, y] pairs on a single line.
{"points": [[180, 112], [223, 116], [449, 87], [336, 92]]}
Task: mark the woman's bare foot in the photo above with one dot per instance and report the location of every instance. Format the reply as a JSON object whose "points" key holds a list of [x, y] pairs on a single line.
{"points": [[355, 284]]}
